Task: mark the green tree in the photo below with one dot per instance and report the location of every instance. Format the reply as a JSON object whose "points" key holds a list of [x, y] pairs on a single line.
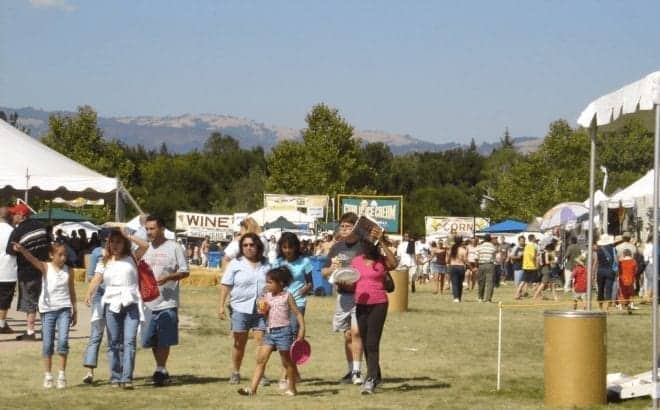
{"points": [[323, 163]]}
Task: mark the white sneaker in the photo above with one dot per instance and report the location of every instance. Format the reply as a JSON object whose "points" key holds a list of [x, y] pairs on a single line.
{"points": [[61, 382], [283, 384], [456, 300], [48, 381], [356, 377]]}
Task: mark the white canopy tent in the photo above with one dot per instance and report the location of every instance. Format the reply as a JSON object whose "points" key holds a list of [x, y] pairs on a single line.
{"points": [[640, 96], [599, 197], [266, 215], [30, 166]]}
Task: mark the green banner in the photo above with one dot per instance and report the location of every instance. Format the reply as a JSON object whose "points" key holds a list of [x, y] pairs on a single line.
{"points": [[384, 209]]}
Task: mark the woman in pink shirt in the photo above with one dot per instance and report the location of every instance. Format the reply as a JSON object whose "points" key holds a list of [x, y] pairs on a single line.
{"points": [[371, 306]]}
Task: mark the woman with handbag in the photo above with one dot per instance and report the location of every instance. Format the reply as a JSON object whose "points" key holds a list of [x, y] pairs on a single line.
{"points": [[121, 303], [371, 305]]}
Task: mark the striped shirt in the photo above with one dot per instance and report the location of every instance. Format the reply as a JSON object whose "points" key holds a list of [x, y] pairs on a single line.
{"points": [[486, 253]]}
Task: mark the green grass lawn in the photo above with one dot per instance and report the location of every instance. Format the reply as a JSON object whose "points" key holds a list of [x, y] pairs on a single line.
{"points": [[439, 355]]}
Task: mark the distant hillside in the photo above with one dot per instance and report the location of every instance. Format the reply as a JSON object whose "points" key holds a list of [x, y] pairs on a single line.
{"points": [[188, 132]]}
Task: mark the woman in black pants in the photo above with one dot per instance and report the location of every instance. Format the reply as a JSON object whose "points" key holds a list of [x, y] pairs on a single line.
{"points": [[456, 261], [371, 306]]}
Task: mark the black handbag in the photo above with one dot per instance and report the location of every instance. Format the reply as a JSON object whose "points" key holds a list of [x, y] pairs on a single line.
{"points": [[388, 283]]}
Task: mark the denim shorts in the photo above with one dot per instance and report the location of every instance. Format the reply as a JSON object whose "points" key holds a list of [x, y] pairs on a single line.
{"points": [[243, 322], [162, 330], [60, 319], [279, 337]]}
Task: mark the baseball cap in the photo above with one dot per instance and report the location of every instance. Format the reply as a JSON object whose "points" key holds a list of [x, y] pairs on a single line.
{"points": [[20, 209]]}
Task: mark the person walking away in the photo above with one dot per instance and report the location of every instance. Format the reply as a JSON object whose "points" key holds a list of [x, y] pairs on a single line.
{"points": [[279, 307], [32, 235], [579, 281], [7, 271], [606, 255], [530, 274], [571, 254], [516, 262], [649, 257], [486, 257], [439, 265], [371, 306], [161, 332], [548, 265], [204, 249], [456, 260], [472, 272], [57, 305], [627, 271], [91, 355]]}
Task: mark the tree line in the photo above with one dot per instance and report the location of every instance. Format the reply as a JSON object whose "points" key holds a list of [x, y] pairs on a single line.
{"points": [[222, 177]]}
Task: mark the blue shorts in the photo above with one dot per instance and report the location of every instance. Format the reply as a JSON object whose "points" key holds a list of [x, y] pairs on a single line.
{"points": [[243, 322], [162, 330], [279, 337]]}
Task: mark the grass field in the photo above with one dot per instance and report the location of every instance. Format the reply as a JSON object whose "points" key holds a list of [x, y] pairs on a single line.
{"points": [[439, 355]]}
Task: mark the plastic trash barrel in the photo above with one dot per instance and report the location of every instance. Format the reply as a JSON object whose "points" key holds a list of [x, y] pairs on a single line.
{"points": [[398, 300], [214, 259], [575, 358], [320, 286]]}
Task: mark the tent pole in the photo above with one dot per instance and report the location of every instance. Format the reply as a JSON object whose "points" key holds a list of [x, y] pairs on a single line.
{"points": [[592, 171], [656, 260]]}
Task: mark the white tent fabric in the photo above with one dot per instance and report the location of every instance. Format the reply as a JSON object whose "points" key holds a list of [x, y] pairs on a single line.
{"points": [[266, 215], [599, 197], [642, 188], [67, 227], [46, 169], [638, 96]]}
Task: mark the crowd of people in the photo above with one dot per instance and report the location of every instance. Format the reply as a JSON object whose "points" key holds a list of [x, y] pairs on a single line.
{"points": [[265, 283], [40, 266]]}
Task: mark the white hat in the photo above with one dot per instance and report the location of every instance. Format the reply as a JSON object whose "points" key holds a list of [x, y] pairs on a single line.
{"points": [[605, 240]]}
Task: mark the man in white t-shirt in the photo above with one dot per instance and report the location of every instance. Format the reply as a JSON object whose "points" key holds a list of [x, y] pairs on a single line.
{"points": [[7, 271], [168, 262], [405, 252]]}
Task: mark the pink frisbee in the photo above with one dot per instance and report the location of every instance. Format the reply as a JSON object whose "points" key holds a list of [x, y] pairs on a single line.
{"points": [[300, 351]]}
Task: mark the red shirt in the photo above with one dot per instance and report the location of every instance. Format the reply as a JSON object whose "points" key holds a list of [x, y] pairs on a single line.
{"points": [[579, 279], [369, 288]]}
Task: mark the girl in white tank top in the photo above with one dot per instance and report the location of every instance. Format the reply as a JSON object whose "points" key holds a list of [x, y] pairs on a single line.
{"points": [[57, 305]]}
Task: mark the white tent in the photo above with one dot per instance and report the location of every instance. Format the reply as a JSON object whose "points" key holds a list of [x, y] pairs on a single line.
{"points": [[67, 227], [641, 188], [599, 197], [640, 96], [266, 215], [30, 166]]}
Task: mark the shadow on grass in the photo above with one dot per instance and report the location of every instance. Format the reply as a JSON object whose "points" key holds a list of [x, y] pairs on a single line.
{"points": [[320, 392], [407, 384]]}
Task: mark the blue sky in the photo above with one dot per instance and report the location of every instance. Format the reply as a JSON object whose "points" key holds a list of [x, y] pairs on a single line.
{"points": [[437, 70]]}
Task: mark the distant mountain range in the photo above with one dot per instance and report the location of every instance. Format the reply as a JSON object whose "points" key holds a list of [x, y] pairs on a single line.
{"points": [[188, 132]]}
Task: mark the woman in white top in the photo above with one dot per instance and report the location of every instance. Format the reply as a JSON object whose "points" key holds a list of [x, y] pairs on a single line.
{"points": [[57, 305], [121, 302]]}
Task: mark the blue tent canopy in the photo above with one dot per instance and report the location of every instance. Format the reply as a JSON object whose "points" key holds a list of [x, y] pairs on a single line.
{"points": [[506, 226]]}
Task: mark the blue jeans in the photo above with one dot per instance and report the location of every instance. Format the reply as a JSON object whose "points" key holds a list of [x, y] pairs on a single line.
{"points": [[122, 326], [457, 276], [49, 321], [95, 334]]}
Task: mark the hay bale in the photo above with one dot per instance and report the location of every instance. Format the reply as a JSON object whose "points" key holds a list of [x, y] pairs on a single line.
{"points": [[200, 276]]}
